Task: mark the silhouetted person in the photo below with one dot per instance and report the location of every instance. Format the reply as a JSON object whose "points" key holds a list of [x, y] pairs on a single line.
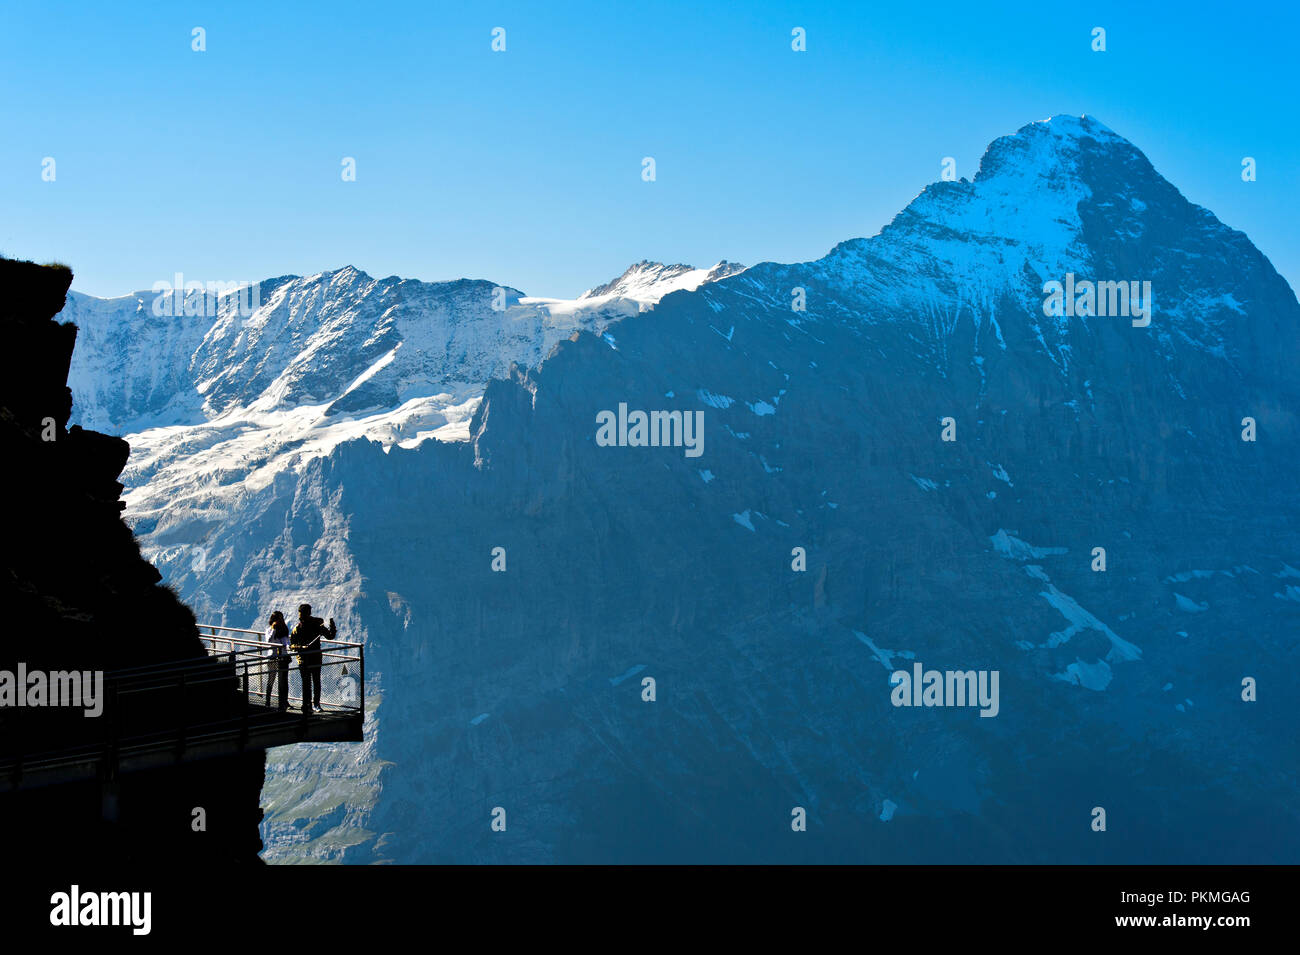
{"points": [[305, 641], [277, 670]]}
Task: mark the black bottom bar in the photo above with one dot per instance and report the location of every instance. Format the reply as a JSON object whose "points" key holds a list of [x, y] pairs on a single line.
{"points": [[663, 905]]}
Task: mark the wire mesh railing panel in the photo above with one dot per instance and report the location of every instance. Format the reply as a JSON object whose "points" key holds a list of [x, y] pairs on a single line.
{"points": [[330, 681], [333, 685], [241, 685]]}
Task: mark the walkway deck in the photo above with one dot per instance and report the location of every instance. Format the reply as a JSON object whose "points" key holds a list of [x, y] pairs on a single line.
{"points": [[194, 709]]}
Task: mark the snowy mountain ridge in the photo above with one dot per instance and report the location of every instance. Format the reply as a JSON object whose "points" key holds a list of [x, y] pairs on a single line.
{"points": [[323, 359], [650, 281], [342, 339]]}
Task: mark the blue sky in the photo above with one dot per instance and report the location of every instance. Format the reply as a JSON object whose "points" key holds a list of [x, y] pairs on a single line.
{"points": [[524, 167]]}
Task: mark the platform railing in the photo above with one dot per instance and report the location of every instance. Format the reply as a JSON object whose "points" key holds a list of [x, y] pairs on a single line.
{"points": [[225, 698], [258, 665]]}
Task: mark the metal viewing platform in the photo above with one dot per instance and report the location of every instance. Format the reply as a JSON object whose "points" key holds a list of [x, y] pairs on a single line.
{"points": [[164, 714]]}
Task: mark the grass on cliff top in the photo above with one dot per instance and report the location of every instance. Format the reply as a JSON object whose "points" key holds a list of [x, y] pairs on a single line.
{"points": [[59, 266]]}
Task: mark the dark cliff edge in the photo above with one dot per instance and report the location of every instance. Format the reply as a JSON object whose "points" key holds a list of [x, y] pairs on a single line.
{"points": [[77, 595]]}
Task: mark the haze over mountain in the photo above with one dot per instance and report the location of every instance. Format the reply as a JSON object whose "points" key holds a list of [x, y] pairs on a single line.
{"points": [[368, 444]]}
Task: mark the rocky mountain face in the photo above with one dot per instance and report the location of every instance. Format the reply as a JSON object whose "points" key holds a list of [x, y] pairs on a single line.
{"points": [[78, 596], [905, 459]]}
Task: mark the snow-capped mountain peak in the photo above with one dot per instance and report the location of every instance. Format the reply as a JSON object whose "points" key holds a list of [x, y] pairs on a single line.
{"points": [[647, 282], [1059, 200]]}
